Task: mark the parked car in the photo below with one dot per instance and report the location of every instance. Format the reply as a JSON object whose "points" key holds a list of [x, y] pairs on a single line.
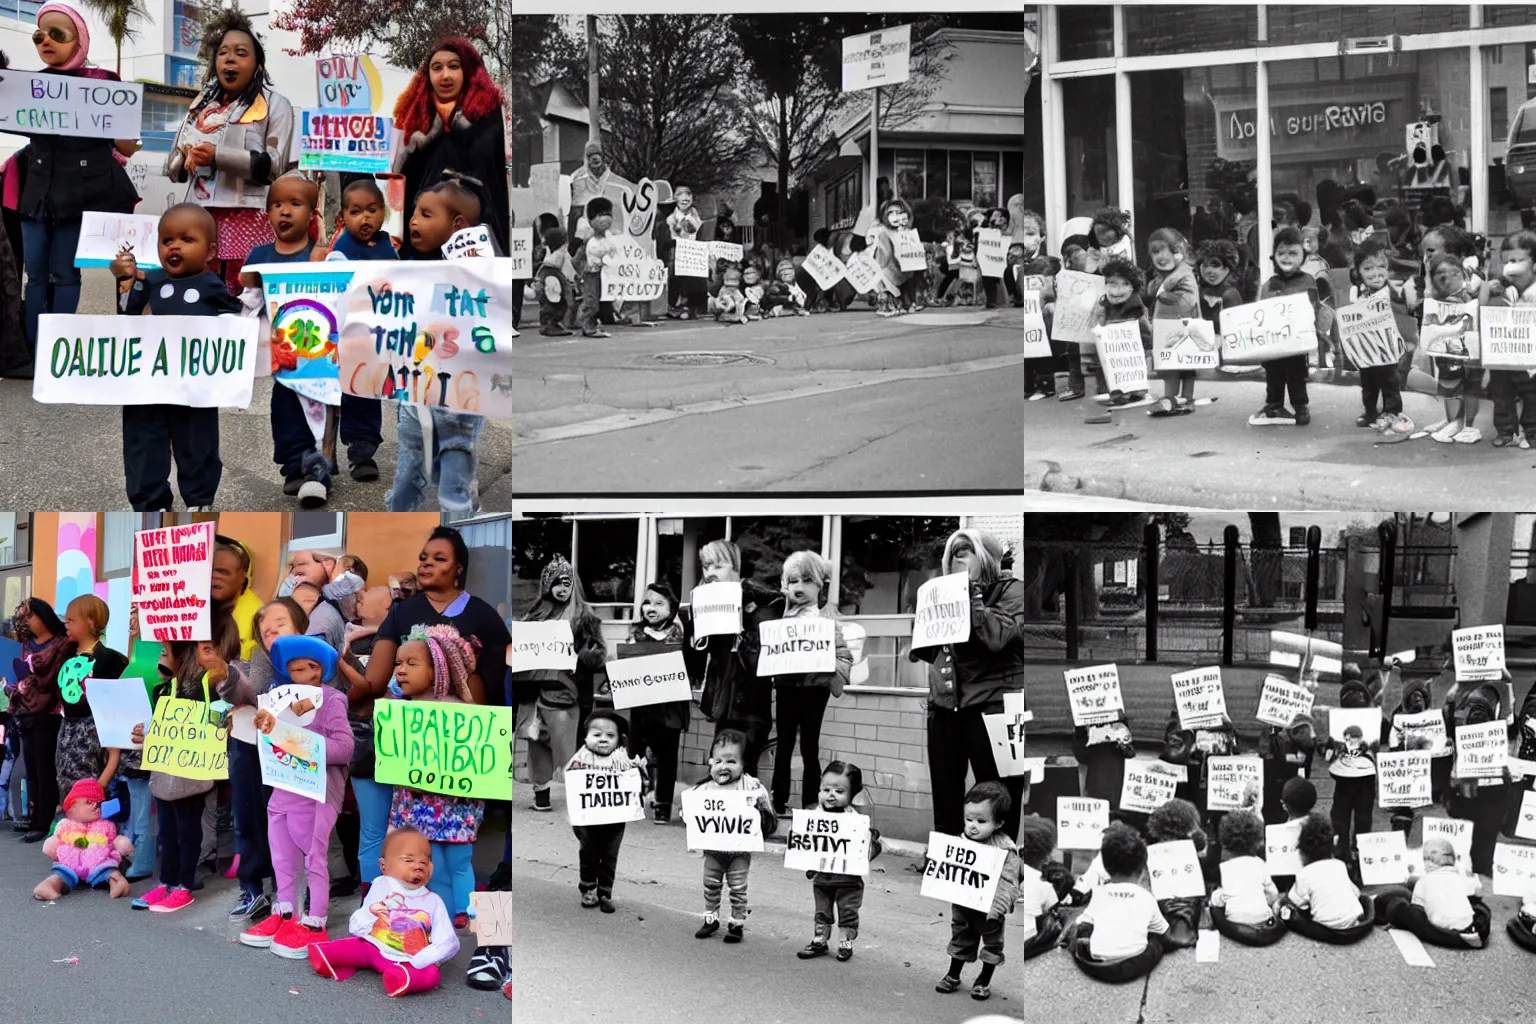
{"points": [[1520, 163]]}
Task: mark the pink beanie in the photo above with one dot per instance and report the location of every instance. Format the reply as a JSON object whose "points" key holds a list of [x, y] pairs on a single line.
{"points": [[83, 34]]}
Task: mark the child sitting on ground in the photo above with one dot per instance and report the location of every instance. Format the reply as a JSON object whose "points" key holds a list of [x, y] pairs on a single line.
{"points": [[1045, 887], [85, 847], [838, 896], [986, 807], [1120, 935], [1444, 908], [1324, 903], [602, 751], [1247, 895], [1175, 820], [727, 757], [1297, 798]]}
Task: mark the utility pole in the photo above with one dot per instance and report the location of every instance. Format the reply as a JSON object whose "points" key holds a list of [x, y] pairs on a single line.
{"points": [[594, 130]]}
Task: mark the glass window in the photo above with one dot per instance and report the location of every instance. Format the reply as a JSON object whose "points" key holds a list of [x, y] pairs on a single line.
{"points": [[316, 530], [21, 10], [938, 173], [843, 201], [1501, 15], [959, 177], [1326, 24], [677, 550], [1085, 32], [765, 542], [886, 558], [909, 173], [1498, 113], [1089, 114], [490, 562], [605, 561], [535, 540], [117, 529], [1512, 145], [1187, 28], [984, 178]]}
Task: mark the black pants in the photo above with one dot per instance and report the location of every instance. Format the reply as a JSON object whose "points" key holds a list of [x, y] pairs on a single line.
{"points": [[1394, 906], [664, 743], [517, 304], [800, 710], [359, 426], [1381, 382], [1485, 810], [39, 744], [756, 730], [1353, 799], [1277, 772], [1285, 376], [1509, 389], [181, 836], [845, 900], [599, 857], [958, 740], [151, 434]]}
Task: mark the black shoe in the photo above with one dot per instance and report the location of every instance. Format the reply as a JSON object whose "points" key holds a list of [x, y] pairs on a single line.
{"points": [[605, 905], [813, 950], [364, 470], [487, 969], [292, 484], [707, 929], [661, 813], [735, 932], [589, 900], [21, 827], [345, 887], [501, 878], [844, 953], [1303, 417], [34, 837], [541, 800]]}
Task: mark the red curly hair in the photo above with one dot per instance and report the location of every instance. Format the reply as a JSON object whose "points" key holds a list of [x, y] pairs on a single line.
{"points": [[415, 111]]}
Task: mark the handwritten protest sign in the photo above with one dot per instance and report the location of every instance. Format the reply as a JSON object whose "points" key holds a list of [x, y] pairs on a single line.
{"points": [[347, 82], [1514, 870], [1525, 825], [722, 819], [434, 334], [103, 235], [1187, 344], [716, 608], [521, 240], [1402, 778], [1121, 356], [456, 749], [493, 917], [1077, 299], [1482, 750], [1268, 329], [1228, 780], [335, 140], [1368, 331], [1080, 822], [603, 798], [792, 646], [1199, 697], [292, 759], [1095, 694], [825, 268], [172, 578], [1383, 857], [991, 252], [200, 361], [909, 250], [728, 251], [543, 645], [1036, 344], [961, 872], [1423, 731], [280, 700], [46, 104], [1006, 733], [474, 242], [823, 841], [633, 276], [179, 740], [303, 304], [1449, 330], [1282, 848], [1456, 831], [118, 705], [1479, 652], [1281, 701], [1148, 785], [1367, 720], [1174, 869], [1508, 336], [691, 258], [943, 614], [653, 679], [861, 272]]}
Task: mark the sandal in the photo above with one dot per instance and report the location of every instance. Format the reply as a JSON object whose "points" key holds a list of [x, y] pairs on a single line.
{"points": [[947, 984], [980, 991]]}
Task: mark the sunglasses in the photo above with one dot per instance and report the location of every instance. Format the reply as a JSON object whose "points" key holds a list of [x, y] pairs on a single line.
{"points": [[57, 34]]}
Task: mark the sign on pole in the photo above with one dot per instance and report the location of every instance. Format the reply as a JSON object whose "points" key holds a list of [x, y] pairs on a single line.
{"points": [[877, 58], [348, 82]]}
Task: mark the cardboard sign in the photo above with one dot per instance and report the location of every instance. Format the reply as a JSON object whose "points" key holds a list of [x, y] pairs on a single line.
{"points": [[1077, 300], [433, 334], [1228, 780], [1200, 699], [1514, 870], [1482, 751], [716, 608], [179, 740], [634, 278], [1080, 822], [1268, 329], [691, 258], [991, 252], [654, 679], [1036, 344], [303, 307], [728, 251], [172, 579], [91, 108], [1508, 336], [725, 820], [1367, 720], [861, 272], [1174, 869], [348, 82], [794, 646], [1281, 701], [1368, 331], [1148, 785], [103, 235], [603, 798], [521, 241], [456, 749], [205, 362], [825, 269], [1282, 848], [1525, 825], [493, 917], [1383, 857], [334, 140], [543, 646], [1423, 731], [1402, 779], [1006, 734], [877, 58], [1457, 831], [1479, 652], [292, 759], [1121, 356], [473, 242], [1186, 344], [961, 872], [1095, 694], [118, 705], [943, 614], [823, 841], [1449, 330], [909, 250]]}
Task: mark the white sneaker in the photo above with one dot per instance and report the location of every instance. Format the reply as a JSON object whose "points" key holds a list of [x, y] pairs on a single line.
{"points": [[1468, 435], [1446, 432]]}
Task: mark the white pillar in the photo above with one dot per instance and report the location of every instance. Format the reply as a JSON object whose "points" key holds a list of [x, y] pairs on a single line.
{"points": [[1264, 179], [1478, 127], [1053, 140], [1125, 170]]}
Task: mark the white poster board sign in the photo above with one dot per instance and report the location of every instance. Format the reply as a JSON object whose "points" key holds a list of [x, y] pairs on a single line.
{"points": [[1368, 331], [1402, 778], [962, 872], [1458, 832], [1383, 857], [1281, 701], [823, 841], [943, 611], [1514, 870], [118, 705], [1199, 697], [991, 252], [716, 609], [1095, 694], [538, 646], [825, 268], [653, 679], [521, 240], [877, 58], [1006, 733], [603, 798], [1148, 785], [204, 362], [91, 108], [1174, 869], [794, 646], [1228, 779], [1449, 330], [1121, 356], [1077, 300], [173, 581], [728, 251], [1423, 731], [691, 258], [1184, 344], [1508, 335], [1268, 329], [1479, 652], [1367, 720], [292, 758], [1482, 750], [909, 251], [726, 820], [1036, 344], [1525, 825], [1080, 822], [103, 235], [1282, 848]]}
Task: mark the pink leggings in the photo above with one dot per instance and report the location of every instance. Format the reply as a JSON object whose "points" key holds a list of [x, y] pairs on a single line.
{"points": [[297, 838], [340, 959]]}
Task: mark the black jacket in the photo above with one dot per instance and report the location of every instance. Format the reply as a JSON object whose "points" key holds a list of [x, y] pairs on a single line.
{"points": [[728, 664], [65, 175], [477, 149]]}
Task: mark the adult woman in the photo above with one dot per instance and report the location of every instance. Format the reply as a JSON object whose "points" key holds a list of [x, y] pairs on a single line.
{"points": [[234, 141], [685, 295], [65, 176], [450, 118], [232, 589], [35, 710], [968, 680], [734, 697], [79, 754]]}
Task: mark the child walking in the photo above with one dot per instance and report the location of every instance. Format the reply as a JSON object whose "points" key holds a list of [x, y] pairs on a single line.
{"points": [[602, 751], [1287, 376], [838, 896], [727, 756], [986, 807]]}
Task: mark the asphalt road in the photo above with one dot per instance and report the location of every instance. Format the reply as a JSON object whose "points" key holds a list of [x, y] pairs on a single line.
{"points": [[70, 456]]}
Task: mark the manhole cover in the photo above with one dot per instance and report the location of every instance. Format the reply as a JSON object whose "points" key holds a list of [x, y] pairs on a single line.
{"points": [[711, 359]]}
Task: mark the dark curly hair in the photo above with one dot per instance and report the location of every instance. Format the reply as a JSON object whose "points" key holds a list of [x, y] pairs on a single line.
{"points": [[230, 20], [1176, 819], [1316, 839], [1218, 250], [1298, 795], [1114, 217], [1123, 851], [1037, 838], [1242, 834], [1119, 266], [994, 796]]}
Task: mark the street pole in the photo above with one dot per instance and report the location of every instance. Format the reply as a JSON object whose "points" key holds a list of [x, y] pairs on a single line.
{"points": [[594, 130], [874, 154]]}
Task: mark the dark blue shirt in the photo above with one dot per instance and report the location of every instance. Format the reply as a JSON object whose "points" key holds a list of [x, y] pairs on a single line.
{"points": [[268, 254], [352, 249], [195, 295]]}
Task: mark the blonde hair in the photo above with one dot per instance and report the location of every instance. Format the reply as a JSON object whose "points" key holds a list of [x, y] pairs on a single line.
{"points": [[91, 608], [722, 551], [809, 565], [982, 545]]}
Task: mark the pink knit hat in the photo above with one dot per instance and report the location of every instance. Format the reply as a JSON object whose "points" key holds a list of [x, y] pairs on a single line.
{"points": [[83, 34]]}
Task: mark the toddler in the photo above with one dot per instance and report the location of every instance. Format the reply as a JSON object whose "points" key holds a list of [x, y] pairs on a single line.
{"points": [[1120, 935], [1377, 383], [602, 751], [1298, 796], [362, 214], [600, 248], [1513, 391], [1123, 283], [1111, 231], [1324, 903], [1444, 907], [1459, 381], [838, 896], [1218, 261], [727, 755], [1288, 374], [349, 577], [555, 281], [659, 727], [1247, 895], [986, 806], [784, 297], [1173, 294]]}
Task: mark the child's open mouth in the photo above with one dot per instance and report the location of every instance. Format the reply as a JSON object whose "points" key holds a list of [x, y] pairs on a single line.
{"points": [[228, 76], [365, 231], [172, 260]]}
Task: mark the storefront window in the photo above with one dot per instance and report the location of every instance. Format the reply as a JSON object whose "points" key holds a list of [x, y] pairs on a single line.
{"points": [[605, 562], [909, 173], [1502, 15], [886, 558], [1326, 24], [765, 541], [677, 550], [1089, 114], [843, 201], [984, 180], [1189, 28], [535, 540], [937, 161], [1085, 32], [959, 177], [1511, 120]]}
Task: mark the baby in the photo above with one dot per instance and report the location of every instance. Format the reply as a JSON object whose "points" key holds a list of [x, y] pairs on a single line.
{"points": [[349, 577], [1444, 908]]}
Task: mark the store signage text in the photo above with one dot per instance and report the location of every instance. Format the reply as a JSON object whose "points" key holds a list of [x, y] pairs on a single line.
{"points": [[1334, 117]]}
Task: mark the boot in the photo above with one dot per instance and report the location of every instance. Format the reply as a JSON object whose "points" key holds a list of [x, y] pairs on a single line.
{"points": [[661, 813]]}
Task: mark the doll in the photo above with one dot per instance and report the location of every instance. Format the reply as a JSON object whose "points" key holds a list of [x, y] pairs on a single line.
{"points": [[730, 306], [85, 847], [752, 290], [784, 297]]}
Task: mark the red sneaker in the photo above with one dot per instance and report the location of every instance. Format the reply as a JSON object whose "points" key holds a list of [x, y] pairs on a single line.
{"points": [[260, 935], [152, 897], [292, 939], [461, 921], [174, 900]]}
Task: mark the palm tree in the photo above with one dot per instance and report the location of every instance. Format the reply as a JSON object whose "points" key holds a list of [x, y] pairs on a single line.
{"points": [[119, 16]]}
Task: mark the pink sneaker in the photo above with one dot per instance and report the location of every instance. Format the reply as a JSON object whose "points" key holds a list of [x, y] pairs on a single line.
{"points": [[293, 939], [174, 900], [149, 899], [260, 935], [234, 867]]}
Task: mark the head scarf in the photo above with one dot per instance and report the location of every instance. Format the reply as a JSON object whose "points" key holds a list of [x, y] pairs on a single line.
{"points": [[82, 34]]}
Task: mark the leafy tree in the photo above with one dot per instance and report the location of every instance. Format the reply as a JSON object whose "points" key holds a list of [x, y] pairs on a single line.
{"points": [[402, 30], [119, 16], [544, 49]]}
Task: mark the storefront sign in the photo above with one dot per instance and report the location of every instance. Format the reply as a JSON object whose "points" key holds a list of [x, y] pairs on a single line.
{"points": [[1077, 296], [1184, 345], [1450, 330], [909, 251], [1373, 117], [1268, 329], [1368, 332], [1036, 344], [1509, 337]]}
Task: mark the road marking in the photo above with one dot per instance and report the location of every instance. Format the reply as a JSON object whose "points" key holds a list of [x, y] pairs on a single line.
{"points": [[648, 417]]}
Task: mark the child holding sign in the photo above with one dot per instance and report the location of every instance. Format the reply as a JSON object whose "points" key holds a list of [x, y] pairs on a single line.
{"points": [[729, 869], [659, 726], [599, 844], [1377, 382], [1513, 391], [1288, 374], [1351, 756], [1459, 382], [986, 808], [1123, 284], [838, 896], [1173, 295]]}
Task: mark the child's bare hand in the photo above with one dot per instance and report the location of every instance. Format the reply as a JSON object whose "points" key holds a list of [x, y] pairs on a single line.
{"points": [[302, 707], [125, 267], [264, 721], [137, 735], [216, 667], [319, 253]]}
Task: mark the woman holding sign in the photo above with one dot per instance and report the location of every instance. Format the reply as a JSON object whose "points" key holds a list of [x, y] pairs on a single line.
{"points": [[79, 755], [35, 710], [968, 680]]}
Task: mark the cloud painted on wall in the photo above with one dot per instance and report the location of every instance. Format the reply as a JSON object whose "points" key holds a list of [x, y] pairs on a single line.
{"points": [[75, 566]]}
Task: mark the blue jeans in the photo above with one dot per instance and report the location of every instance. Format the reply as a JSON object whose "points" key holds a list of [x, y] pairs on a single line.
{"points": [[453, 874], [49, 253], [373, 800], [452, 463], [358, 426], [248, 800], [139, 805]]}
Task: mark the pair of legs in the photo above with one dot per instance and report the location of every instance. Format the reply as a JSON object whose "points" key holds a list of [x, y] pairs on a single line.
{"points": [[599, 861], [1380, 387], [181, 838], [837, 905], [957, 741], [800, 710], [140, 803], [48, 249], [1351, 812], [663, 742], [1118, 970], [453, 875], [248, 799], [63, 880], [1284, 378], [1300, 921], [39, 748], [1514, 403], [969, 930], [725, 871], [339, 959], [1179, 384], [152, 435], [1395, 906], [373, 800], [360, 424], [551, 736], [299, 837], [448, 458]]}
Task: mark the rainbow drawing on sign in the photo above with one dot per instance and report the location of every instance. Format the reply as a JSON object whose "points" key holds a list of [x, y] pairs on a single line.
{"points": [[304, 350]]}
